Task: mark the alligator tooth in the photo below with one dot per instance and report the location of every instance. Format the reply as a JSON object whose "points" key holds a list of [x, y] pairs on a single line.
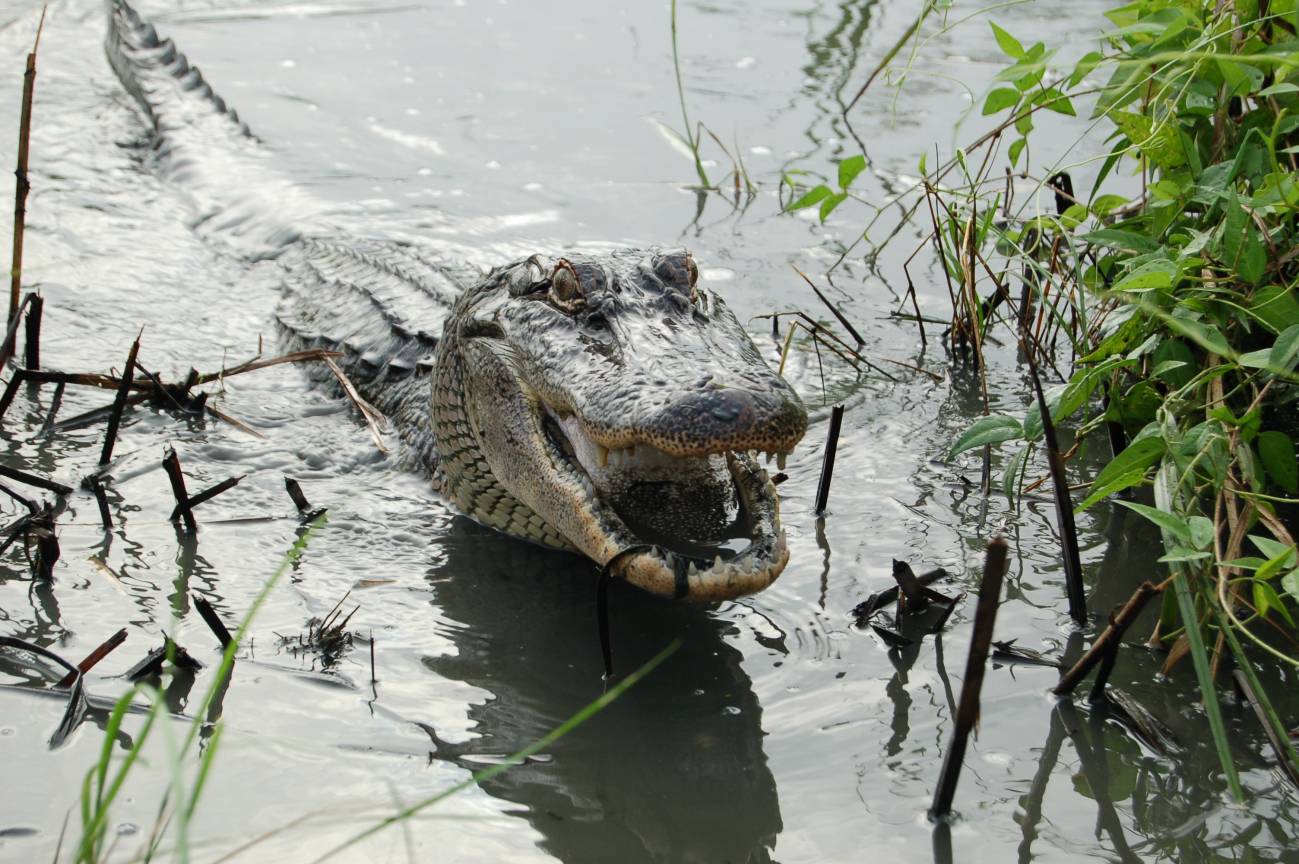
{"points": [[692, 569], [602, 455], [765, 475], [717, 562], [767, 453], [780, 461]]}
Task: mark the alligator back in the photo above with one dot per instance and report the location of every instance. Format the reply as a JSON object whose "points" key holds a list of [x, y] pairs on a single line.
{"points": [[379, 303]]}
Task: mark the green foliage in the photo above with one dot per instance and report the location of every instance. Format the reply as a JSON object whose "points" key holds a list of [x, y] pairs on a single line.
{"points": [[822, 194], [1177, 299]]}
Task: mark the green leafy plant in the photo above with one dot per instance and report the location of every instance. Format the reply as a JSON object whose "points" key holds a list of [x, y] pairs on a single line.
{"points": [[1162, 299]]}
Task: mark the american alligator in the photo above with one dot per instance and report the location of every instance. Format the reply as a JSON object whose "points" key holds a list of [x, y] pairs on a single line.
{"points": [[571, 400]]}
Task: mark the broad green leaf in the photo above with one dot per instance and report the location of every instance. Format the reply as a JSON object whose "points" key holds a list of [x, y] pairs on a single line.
{"points": [[999, 100], [1285, 350], [1274, 564], [1084, 66], [987, 430], [1161, 143], [1241, 78], [1124, 241], [849, 169], [1016, 147], [1181, 553], [1276, 305], [1174, 525], [1277, 453], [1053, 100], [1269, 547], [1253, 258], [1174, 351], [1207, 336], [1161, 370], [1201, 531], [1279, 89], [1151, 276], [828, 205], [1260, 359], [1290, 582], [812, 196], [1266, 599], [1125, 470], [1105, 203], [1010, 481], [1033, 416], [1010, 46]]}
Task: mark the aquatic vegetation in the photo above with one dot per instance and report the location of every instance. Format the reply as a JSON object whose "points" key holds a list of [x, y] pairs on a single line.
{"points": [[1167, 309]]}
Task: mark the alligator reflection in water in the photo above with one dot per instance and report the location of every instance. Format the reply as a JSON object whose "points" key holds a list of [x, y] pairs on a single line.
{"points": [[673, 770]]}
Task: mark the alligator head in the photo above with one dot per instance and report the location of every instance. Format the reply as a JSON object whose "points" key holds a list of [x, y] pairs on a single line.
{"points": [[613, 404]]}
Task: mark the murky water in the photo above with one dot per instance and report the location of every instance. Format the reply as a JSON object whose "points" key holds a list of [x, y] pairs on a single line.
{"points": [[778, 731]]}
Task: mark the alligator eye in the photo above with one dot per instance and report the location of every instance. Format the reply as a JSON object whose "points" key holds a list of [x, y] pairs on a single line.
{"points": [[565, 287], [692, 275]]}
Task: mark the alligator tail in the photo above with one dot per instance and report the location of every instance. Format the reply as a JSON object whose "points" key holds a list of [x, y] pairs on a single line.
{"points": [[201, 144]]}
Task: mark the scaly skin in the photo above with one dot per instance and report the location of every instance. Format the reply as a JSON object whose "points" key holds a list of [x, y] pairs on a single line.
{"points": [[564, 395]]}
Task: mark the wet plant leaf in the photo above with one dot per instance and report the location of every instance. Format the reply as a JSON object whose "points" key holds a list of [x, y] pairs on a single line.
{"points": [[1174, 525], [1126, 470], [1285, 350], [1009, 45], [987, 430], [1207, 336], [999, 100], [1266, 599], [812, 196], [1277, 452], [1151, 276], [849, 169]]}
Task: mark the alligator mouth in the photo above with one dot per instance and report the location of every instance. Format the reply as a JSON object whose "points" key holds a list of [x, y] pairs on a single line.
{"points": [[707, 524]]}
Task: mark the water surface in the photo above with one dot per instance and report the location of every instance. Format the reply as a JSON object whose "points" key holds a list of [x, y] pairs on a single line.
{"points": [[779, 731]]}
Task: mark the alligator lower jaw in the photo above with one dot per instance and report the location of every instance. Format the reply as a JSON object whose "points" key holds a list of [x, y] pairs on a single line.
{"points": [[683, 570], [684, 576]]}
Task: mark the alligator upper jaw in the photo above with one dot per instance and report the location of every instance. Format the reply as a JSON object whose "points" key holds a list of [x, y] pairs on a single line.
{"points": [[677, 567]]}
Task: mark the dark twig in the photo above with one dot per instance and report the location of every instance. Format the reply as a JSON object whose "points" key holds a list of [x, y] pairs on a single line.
{"points": [[1112, 634], [833, 309], [863, 611], [41, 527], [1063, 503], [73, 714], [171, 464], [967, 711], [913, 591], [206, 495], [119, 403], [55, 404], [105, 516], [152, 662], [22, 187], [213, 621], [33, 341], [827, 461], [33, 480], [300, 501], [11, 389], [602, 603], [109, 645]]}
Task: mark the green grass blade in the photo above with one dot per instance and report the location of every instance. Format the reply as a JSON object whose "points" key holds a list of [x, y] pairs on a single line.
{"points": [[1165, 486]]}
